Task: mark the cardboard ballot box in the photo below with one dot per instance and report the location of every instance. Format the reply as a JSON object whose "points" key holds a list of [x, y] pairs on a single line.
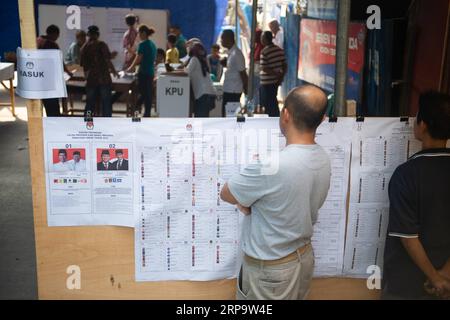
{"points": [[173, 94]]}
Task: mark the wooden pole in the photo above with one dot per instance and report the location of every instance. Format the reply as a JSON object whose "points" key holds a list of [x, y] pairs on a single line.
{"points": [[34, 111]]}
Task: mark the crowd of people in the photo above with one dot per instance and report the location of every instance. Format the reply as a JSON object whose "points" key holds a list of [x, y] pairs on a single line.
{"points": [[142, 57]]}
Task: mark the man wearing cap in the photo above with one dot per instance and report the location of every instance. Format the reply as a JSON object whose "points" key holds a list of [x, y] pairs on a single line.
{"points": [[105, 165]]}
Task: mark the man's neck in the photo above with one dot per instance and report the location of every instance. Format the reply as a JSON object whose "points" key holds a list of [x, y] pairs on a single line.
{"points": [[429, 143], [305, 138]]}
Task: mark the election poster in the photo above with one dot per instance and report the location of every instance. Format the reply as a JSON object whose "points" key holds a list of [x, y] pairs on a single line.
{"points": [[317, 55]]}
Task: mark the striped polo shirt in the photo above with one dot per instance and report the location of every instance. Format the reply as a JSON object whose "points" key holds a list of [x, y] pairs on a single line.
{"points": [[272, 57]]}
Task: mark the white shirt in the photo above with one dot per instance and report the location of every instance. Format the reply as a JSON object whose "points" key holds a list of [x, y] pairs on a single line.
{"points": [[62, 167], [235, 65], [201, 84], [79, 166], [279, 38]]}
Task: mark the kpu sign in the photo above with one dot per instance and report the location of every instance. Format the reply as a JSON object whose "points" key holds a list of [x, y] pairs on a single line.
{"points": [[40, 74]]}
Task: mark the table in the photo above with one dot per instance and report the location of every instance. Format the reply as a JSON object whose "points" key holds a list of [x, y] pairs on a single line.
{"points": [[7, 74], [77, 85]]}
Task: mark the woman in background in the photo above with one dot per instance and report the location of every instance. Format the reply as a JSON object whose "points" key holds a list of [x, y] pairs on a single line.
{"points": [[145, 59], [202, 86]]}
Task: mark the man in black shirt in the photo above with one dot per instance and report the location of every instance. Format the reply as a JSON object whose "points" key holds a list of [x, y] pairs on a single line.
{"points": [[417, 253]]}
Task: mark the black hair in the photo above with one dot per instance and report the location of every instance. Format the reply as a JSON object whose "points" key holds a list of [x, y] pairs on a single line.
{"points": [[171, 38], [52, 29], [148, 31], [160, 51], [62, 151], [215, 46], [434, 111], [268, 35], [119, 151], [130, 20], [227, 33], [307, 110], [93, 30], [77, 152], [80, 33], [105, 152]]}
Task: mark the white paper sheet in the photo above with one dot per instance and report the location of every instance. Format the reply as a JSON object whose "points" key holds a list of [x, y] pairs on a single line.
{"points": [[329, 231], [89, 191], [184, 231], [379, 146], [40, 74]]}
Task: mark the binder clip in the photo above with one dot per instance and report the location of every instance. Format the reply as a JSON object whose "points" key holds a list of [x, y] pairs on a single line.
{"points": [[89, 120], [360, 119], [404, 119], [136, 117], [240, 118], [88, 116], [333, 119]]}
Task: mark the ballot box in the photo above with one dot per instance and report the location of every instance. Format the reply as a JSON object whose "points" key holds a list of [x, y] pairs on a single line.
{"points": [[173, 95], [217, 111]]}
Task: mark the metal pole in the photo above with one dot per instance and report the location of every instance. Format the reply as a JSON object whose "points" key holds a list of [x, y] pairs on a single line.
{"points": [[340, 84], [236, 21], [252, 51]]}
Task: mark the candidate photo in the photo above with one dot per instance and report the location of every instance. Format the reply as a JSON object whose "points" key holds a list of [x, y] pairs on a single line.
{"points": [[67, 160], [112, 160]]}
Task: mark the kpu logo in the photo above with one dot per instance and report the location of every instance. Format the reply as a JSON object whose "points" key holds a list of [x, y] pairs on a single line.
{"points": [[31, 73]]}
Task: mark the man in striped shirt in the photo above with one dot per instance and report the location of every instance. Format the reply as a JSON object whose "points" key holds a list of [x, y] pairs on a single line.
{"points": [[273, 69]]}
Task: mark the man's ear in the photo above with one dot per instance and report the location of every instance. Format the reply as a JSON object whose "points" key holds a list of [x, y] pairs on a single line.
{"points": [[285, 115]]}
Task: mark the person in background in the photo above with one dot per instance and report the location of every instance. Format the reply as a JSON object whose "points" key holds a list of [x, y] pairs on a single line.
{"points": [[257, 58], [145, 59], [129, 41], [214, 63], [281, 201], [160, 62], [273, 69], [172, 55], [417, 250], [97, 65], [72, 56], [48, 41], [278, 33], [202, 86], [236, 78], [181, 41]]}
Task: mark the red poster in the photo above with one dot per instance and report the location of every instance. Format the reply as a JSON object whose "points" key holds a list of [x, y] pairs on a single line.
{"points": [[317, 55]]}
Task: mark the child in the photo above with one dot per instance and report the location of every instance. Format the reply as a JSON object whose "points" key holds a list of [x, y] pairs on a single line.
{"points": [[172, 55], [214, 63]]}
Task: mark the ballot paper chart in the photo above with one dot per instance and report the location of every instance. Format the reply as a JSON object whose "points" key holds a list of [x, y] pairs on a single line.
{"points": [[184, 231], [329, 230], [89, 170], [379, 146]]}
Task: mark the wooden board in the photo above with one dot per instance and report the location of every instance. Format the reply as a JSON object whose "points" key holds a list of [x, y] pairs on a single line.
{"points": [[105, 255]]}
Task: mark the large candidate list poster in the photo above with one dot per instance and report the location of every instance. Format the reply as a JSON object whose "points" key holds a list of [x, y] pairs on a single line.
{"points": [[184, 231], [379, 146], [89, 171]]}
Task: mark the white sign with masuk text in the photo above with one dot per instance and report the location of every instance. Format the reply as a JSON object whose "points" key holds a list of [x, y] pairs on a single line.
{"points": [[40, 74]]}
